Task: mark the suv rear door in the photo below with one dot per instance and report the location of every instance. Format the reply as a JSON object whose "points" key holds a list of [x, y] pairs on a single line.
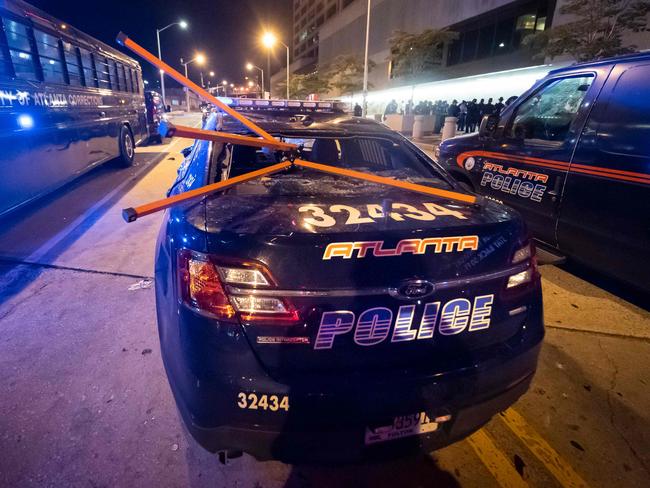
{"points": [[526, 166], [605, 215]]}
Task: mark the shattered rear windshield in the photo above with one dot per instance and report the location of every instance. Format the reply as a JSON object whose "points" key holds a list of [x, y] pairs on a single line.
{"points": [[376, 155]]}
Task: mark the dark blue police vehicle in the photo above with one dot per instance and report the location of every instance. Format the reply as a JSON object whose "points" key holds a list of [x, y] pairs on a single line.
{"points": [[310, 317], [68, 103], [573, 156]]}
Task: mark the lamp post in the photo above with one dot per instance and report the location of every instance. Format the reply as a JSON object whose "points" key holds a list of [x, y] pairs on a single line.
{"points": [[269, 40], [183, 25], [251, 66], [200, 59], [365, 65]]}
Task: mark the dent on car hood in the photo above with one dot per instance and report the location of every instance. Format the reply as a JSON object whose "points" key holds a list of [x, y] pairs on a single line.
{"points": [[309, 202]]}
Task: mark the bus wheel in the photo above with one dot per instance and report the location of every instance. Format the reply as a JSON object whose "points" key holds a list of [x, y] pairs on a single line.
{"points": [[127, 147]]}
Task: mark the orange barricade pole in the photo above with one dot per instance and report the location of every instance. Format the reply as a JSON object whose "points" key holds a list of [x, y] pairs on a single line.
{"points": [[404, 185], [132, 214], [125, 41], [211, 135]]}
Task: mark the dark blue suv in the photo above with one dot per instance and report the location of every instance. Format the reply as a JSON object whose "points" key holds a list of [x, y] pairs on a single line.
{"points": [[310, 317], [572, 154]]}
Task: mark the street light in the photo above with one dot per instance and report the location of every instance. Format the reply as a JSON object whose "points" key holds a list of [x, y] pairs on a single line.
{"points": [[365, 65], [251, 66], [183, 25], [200, 59], [269, 40]]}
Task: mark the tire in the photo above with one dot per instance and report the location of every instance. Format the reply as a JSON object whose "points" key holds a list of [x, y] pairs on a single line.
{"points": [[127, 147]]}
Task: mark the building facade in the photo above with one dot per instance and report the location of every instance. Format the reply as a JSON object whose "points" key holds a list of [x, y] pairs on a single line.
{"points": [[487, 58]]}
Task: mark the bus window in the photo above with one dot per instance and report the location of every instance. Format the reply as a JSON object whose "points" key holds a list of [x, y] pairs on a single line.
{"points": [[50, 57], [138, 81], [88, 67], [4, 63], [113, 74], [72, 62], [127, 77], [5, 59], [121, 76], [20, 49], [134, 77], [101, 63]]}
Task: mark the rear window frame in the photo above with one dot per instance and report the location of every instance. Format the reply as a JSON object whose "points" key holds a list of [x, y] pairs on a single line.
{"points": [[427, 163]]}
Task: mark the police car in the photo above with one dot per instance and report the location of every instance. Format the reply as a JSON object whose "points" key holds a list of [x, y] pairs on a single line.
{"points": [[311, 317], [572, 155]]}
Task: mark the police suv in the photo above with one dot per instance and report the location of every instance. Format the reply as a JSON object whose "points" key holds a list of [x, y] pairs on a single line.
{"points": [[573, 156], [311, 317]]}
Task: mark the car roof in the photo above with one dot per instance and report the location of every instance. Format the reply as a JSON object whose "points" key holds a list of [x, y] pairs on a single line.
{"points": [[643, 56]]}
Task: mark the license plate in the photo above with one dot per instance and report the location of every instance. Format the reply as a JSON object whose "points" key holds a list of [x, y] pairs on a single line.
{"points": [[402, 426]]}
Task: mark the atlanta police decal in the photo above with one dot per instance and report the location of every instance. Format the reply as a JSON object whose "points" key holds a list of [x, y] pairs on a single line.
{"points": [[514, 181], [373, 326]]}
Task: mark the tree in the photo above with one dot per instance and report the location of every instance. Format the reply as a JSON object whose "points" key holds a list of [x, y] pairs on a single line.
{"points": [[595, 33], [302, 85], [346, 73], [415, 54]]}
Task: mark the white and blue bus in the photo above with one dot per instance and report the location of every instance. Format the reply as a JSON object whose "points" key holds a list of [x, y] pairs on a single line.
{"points": [[68, 102]]}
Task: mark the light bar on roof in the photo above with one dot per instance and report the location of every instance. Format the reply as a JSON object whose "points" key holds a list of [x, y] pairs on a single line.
{"points": [[280, 104]]}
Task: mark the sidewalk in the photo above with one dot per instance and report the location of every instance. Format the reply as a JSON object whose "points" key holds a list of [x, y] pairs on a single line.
{"points": [[427, 143]]}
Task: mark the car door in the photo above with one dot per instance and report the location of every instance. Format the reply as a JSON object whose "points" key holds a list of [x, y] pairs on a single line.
{"points": [[526, 165], [605, 213]]}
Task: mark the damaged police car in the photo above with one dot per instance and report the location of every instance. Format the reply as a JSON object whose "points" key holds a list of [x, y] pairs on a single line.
{"points": [[311, 317]]}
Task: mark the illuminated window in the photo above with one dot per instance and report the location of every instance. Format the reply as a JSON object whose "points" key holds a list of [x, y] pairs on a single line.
{"points": [[50, 57], [112, 72], [121, 77], [72, 63], [88, 67], [101, 64], [20, 49], [526, 22]]}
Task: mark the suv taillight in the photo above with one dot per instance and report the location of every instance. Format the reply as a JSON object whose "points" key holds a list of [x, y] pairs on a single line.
{"points": [[205, 281]]}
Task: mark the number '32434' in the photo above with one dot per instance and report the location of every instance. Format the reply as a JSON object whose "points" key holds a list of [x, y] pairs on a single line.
{"points": [[256, 401], [323, 216]]}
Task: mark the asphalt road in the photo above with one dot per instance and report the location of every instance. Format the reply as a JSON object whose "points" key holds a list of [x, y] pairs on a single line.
{"points": [[84, 400]]}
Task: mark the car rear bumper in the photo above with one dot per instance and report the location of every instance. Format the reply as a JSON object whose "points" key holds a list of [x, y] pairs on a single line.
{"points": [[329, 424], [349, 445]]}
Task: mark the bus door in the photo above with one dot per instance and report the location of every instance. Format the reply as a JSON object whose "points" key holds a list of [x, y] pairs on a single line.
{"points": [[605, 214], [526, 166]]}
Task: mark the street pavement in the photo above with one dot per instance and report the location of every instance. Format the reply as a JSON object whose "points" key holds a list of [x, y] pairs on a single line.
{"points": [[84, 400]]}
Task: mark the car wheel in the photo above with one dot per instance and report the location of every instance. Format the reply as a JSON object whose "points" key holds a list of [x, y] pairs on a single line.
{"points": [[127, 147]]}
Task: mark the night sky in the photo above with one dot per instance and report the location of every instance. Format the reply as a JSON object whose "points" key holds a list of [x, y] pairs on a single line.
{"points": [[227, 31]]}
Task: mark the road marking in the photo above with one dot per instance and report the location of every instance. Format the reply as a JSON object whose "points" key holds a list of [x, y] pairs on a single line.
{"points": [[495, 461], [559, 468], [51, 243]]}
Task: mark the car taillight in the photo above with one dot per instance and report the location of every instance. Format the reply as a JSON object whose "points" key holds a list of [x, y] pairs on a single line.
{"points": [[525, 253], [205, 286]]}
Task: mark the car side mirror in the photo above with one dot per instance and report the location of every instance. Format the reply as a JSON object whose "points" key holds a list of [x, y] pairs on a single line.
{"points": [[488, 126], [186, 151]]}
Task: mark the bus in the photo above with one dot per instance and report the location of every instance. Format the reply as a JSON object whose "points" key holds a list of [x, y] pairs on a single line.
{"points": [[68, 103]]}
